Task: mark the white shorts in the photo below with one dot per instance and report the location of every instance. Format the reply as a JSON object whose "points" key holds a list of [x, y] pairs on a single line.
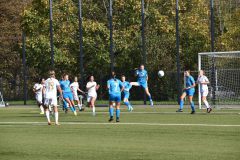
{"points": [[90, 97], [39, 99], [204, 93], [50, 101], [75, 97]]}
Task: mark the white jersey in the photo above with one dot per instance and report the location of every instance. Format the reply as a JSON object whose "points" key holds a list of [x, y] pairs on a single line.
{"points": [[38, 88], [74, 86], [203, 87], [92, 91], [51, 88]]}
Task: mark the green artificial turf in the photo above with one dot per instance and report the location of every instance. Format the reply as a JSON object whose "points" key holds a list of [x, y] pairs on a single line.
{"points": [[147, 133]]}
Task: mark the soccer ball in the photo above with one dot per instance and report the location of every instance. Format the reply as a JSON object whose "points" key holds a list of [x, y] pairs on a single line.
{"points": [[160, 74]]}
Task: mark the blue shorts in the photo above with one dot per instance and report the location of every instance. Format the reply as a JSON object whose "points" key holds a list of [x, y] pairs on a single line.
{"points": [[126, 95], [68, 95], [143, 84], [114, 98], [190, 92]]}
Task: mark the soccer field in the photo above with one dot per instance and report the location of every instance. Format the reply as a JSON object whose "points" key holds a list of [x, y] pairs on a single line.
{"points": [[147, 133]]}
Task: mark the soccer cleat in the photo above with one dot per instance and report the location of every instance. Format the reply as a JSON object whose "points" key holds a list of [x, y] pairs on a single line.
{"points": [[57, 124], [75, 113], [131, 109], [49, 123], [41, 112], [151, 103], [94, 113], [209, 110], [111, 119], [193, 112], [118, 120], [179, 110], [82, 109]]}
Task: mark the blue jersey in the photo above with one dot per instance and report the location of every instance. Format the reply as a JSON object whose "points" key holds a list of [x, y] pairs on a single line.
{"points": [[65, 86], [189, 82], [114, 86], [142, 76], [127, 86]]}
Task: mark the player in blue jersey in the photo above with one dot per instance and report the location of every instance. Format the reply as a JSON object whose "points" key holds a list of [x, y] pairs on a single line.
{"points": [[115, 87], [142, 79], [127, 86], [188, 91], [67, 93]]}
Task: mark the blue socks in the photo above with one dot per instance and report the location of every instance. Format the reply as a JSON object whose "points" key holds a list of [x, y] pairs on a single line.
{"points": [[128, 105], [181, 104], [150, 97], [72, 109], [192, 106], [111, 110], [117, 113]]}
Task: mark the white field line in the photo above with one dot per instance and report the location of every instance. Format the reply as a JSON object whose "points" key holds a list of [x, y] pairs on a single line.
{"points": [[94, 123]]}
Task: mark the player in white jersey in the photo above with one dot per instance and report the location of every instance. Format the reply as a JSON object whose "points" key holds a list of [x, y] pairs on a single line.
{"points": [[75, 88], [203, 82], [38, 90], [50, 90], [92, 88]]}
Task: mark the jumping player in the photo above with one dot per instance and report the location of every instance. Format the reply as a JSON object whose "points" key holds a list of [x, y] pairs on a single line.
{"points": [[127, 86], [115, 87], [38, 90], [203, 82], [75, 88], [142, 79], [50, 91], [92, 88], [188, 91], [67, 93]]}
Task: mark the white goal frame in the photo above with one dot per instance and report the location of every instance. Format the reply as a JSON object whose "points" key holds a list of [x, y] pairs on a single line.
{"points": [[212, 54], [2, 103]]}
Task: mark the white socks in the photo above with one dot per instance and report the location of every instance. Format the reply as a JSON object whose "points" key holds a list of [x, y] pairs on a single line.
{"points": [[80, 106], [93, 109], [56, 117], [206, 103], [42, 109], [48, 116]]}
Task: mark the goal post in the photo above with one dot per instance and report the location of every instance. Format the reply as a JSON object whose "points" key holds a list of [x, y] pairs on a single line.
{"points": [[223, 72]]}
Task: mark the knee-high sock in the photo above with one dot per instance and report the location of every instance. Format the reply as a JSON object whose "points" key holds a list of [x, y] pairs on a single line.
{"points": [[117, 113], [206, 103], [111, 110], [150, 97], [93, 108], [127, 104], [181, 104], [48, 115], [41, 108], [72, 109], [56, 117], [79, 106], [192, 106], [65, 104]]}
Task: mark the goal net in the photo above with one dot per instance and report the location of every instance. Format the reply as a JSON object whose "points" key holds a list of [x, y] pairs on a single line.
{"points": [[223, 72]]}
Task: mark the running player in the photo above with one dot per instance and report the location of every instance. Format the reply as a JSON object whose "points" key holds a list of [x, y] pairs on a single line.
{"points": [[50, 92], [127, 86], [67, 93], [203, 82], [142, 79], [188, 91], [75, 88], [38, 90], [115, 87], [92, 88]]}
